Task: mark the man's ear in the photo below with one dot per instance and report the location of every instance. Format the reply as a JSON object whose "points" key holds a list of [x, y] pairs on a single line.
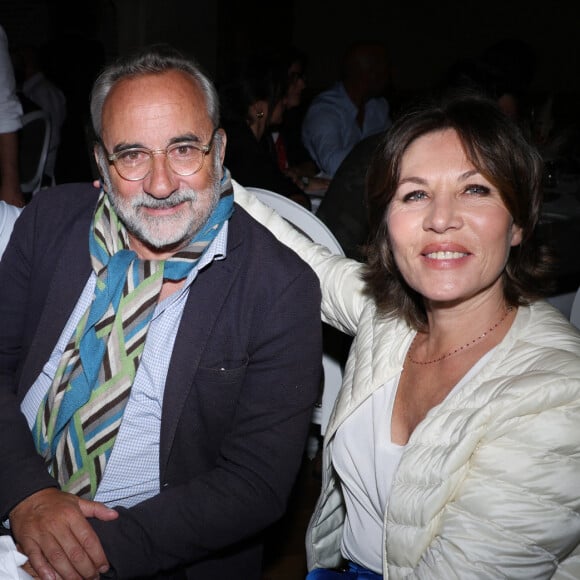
{"points": [[224, 141], [98, 183]]}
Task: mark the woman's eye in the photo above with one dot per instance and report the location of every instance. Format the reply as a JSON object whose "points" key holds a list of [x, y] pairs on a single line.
{"points": [[477, 189], [414, 195]]}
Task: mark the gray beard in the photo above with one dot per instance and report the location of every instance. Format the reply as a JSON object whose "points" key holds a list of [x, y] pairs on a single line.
{"points": [[153, 231]]}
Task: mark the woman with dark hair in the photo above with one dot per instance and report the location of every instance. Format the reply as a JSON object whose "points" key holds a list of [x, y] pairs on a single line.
{"points": [[453, 450], [283, 138], [248, 99]]}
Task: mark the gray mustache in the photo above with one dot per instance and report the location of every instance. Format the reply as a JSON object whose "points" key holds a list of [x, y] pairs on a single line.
{"points": [[167, 203]]}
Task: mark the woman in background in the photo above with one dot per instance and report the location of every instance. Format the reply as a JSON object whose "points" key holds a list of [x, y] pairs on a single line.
{"points": [[248, 99], [283, 136]]}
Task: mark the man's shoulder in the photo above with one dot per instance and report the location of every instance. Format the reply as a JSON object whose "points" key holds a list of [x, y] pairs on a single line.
{"points": [[268, 269], [245, 227], [379, 106], [261, 245], [73, 194], [62, 205], [332, 98]]}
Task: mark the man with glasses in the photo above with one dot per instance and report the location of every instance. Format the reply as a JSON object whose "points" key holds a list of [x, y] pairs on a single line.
{"points": [[160, 351]]}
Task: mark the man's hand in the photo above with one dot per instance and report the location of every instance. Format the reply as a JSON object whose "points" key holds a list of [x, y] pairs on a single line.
{"points": [[51, 529]]}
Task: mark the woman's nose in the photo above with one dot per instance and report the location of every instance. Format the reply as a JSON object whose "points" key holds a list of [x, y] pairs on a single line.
{"points": [[442, 214]]}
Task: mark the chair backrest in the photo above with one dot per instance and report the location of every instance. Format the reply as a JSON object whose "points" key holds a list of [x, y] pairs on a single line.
{"points": [[575, 312], [300, 217], [563, 302], [33, 149], [318, 232]]}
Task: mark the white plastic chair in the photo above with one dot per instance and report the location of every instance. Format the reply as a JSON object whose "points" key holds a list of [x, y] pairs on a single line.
{"points": [[563, 302], [318, 232], [569, 305], [33, 149], [575, 312]]}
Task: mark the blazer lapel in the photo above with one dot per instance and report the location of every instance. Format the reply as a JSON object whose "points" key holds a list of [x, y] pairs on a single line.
{"points": [[206, 296]]}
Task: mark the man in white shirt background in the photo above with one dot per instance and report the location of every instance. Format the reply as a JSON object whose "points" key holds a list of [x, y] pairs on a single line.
{"points": [[353, 108]]}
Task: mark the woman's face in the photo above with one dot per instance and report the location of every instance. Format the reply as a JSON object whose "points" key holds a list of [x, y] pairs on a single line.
{"points": [[450, 230]]}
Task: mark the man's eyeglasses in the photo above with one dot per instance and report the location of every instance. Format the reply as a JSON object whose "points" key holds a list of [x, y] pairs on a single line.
{"points": [[184, 158]]}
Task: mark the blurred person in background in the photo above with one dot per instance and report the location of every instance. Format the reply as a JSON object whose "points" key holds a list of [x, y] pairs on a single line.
{"points": [[42, 92], [250, 95], [8, 215], [284, 137], [10, 124], [353, 108]]}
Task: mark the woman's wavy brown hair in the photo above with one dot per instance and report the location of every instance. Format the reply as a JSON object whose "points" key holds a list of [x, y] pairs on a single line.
{"points": [[498, 149]]}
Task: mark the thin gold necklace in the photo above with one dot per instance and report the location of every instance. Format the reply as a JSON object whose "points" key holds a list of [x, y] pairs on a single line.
{"points": [[459, 348]]}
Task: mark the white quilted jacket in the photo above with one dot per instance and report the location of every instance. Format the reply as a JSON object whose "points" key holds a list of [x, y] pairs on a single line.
{"points": [[489, 484]]}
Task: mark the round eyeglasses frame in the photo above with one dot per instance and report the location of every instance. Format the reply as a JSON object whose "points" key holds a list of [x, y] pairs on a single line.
{"points": [[114, 158]]}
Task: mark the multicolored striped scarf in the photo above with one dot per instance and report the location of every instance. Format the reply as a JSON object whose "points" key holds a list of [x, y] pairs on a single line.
{"points": [[79, 418]]}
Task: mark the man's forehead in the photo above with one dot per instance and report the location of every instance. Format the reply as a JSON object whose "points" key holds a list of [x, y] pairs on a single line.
{"points": [[159, 102], [168, 86]]}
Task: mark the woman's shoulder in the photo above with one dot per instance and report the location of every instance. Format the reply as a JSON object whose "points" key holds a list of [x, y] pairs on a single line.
{"points": [[536, 368], [533, 373], [546, 333]]}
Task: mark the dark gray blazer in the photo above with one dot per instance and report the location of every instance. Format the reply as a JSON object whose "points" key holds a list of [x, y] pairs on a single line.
{"points": [[231, 440]]}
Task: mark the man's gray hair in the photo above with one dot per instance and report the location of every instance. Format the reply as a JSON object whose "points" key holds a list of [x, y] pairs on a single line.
{"points": [[153, 60]]}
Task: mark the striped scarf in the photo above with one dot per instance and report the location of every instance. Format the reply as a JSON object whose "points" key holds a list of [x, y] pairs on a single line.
{"points": [[79, 418]]}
